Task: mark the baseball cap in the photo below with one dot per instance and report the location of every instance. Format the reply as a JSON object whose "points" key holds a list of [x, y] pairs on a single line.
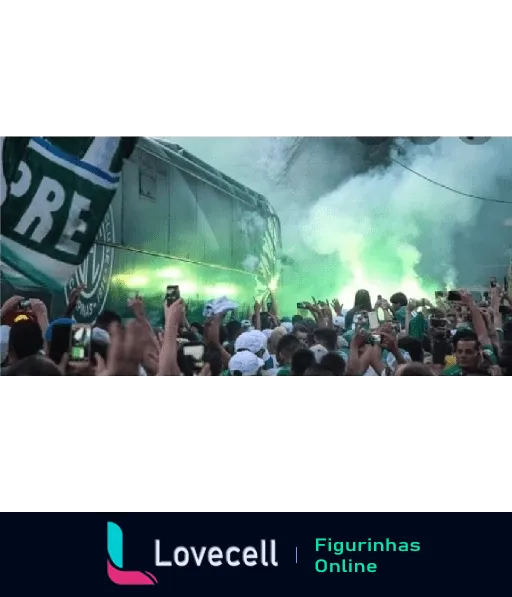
{"points": [[254, 341], [319, 351], [339, 321], [288, 326], [245, 363], [60, 321], [100, 335]]}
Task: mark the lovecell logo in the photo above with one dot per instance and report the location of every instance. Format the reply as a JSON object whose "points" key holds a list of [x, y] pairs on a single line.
{"points": [[265, 554], [115, 570]]}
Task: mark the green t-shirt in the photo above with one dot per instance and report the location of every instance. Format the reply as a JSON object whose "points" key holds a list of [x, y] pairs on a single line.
{"points": [[269, 365], [453, 370], [400, 315], [347, 336], [286, 370], [456, 370], [418, 326]]}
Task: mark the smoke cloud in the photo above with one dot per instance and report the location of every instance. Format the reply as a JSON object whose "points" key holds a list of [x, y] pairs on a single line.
{"points": [[352, 218]]}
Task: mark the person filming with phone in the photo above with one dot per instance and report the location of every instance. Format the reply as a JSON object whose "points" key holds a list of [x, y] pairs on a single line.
{"points": [[474, 352], [462, 334]]}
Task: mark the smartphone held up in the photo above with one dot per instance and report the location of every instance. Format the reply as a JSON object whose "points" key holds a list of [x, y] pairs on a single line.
{"points": [[454, 296], [172, 294], [194, 351], [71, 339], [373, 320], [80, 342]]}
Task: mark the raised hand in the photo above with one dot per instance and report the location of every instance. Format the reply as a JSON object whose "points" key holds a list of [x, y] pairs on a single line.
{"points": [[76, 292], [11, 304], [73, 299], [125, 351], [325, 309], [466, 298], [137, 305], [388, 342], [359, 340], [38, 308], [335, 303], [175, 313]]}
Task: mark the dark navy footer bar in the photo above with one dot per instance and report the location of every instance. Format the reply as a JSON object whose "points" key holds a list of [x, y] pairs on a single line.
{"points": [[256, 554]]}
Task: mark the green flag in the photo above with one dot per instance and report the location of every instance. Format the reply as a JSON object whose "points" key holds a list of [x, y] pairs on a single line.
{"points": [[54, 194]]}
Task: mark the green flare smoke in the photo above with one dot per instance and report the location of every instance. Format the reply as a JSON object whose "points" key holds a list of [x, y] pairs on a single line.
{"points": [[385, 229]]}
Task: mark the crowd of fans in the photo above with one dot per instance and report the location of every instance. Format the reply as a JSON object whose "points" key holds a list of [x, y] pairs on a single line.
{"points": [[454, 335]]}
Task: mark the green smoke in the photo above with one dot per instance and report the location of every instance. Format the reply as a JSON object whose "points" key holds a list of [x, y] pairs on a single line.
{"points": [[346, 226], [388, 226]]}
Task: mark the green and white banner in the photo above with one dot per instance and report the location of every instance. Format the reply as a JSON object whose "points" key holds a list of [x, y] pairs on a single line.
{"points": [[54, 195]]}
